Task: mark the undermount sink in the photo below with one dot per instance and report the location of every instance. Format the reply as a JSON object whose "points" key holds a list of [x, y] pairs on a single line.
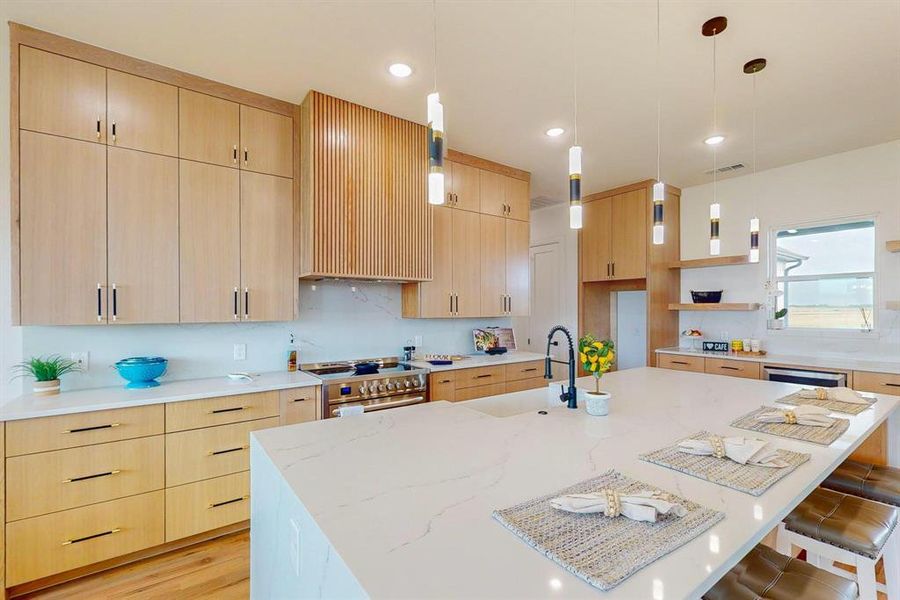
{"points": [[517, 403]]}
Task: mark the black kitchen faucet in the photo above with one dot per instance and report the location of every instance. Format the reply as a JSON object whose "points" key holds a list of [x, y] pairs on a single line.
{"points": [[570, 395]]}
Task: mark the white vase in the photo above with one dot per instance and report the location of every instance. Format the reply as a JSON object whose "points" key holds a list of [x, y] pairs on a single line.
{"points": [[597, 404]]}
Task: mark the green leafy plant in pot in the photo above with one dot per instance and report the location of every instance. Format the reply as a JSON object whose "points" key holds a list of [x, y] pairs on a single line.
{"points": [[597, 357], [46, 371]]}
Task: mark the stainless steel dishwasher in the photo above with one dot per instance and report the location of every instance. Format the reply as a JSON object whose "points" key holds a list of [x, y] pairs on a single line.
{"points": [[805, 376]]}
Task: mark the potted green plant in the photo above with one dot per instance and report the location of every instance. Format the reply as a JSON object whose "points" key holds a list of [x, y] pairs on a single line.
{"points": [[597, 357], [46, 371]]}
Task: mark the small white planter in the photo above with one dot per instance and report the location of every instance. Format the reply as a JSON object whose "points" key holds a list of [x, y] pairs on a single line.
{"points": [[46, 388], [597, 404]]}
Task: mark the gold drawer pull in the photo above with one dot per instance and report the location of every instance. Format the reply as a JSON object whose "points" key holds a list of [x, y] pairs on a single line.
{"points": [[218, 452], [91, 428], [217, 411], [225, 502], [86, 477], [91, 537]]}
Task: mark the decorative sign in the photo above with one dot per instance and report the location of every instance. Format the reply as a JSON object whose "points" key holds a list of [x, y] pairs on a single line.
{"points": [[493, 337], [716, 346]]}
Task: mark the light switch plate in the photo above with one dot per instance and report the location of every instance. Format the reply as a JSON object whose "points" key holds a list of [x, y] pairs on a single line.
{"points": [[240, 352]]}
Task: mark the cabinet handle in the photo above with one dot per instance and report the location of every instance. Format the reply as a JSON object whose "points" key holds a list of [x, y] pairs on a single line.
{"points": [[234, 154], [90, 428], [607, 270], [509, 301], [98, 128], [217, 411], [529, 370], [679, 362], [456, 311], [483, 376], [95, 476], [450, 297], [99, 302], [236, 310], [730, 368], [227, 451], [225, 502], [246, 155], [455, 199], [91, 537], [445, 381], [891, 384], [115, 303], [614, 269], [114, 131], [246, 303]]}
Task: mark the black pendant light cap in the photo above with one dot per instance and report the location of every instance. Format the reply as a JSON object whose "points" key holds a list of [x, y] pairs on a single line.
{"points": [[754, 66], [714, 26]]}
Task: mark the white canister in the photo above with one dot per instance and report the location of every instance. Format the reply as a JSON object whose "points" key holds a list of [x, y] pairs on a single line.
{"points": [[754, 345], [597, 404]]}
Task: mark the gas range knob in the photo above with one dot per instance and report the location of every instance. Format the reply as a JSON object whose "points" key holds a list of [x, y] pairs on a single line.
{"points": [[381, 387], [390, 385], [363, 389], [408, 383]]}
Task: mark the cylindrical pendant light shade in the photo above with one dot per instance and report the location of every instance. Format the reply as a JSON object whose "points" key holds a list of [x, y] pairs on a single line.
{"points": [[714, 213], [575, 220], [435, 149], [754, 240], [659, 195]]}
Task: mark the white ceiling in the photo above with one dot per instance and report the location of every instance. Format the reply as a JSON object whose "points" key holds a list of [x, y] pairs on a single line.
{"points": [[505, 71]]}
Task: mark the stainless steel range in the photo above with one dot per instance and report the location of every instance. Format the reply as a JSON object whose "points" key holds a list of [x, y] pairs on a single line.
{"points": [[373, 383]]}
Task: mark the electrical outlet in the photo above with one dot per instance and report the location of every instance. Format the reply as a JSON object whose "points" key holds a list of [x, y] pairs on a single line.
{"points": [[82, 358], [295, 547], [240, 352]]}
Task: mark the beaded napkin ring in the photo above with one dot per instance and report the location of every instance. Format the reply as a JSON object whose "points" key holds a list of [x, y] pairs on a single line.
{"points": [[790, 418], [718, 446], [613, 504], [821, 394]]}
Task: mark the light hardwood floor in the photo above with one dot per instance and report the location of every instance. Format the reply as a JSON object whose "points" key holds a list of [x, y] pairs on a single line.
{"points": [[219, 569]]}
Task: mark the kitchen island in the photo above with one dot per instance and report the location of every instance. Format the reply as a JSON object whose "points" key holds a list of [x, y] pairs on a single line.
{"points": [[398, 503]]}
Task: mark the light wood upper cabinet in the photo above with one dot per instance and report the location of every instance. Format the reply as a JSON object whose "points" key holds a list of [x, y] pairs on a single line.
{"points": [[492, 239], [464, 186], [142, 204], [596, 259], [629, 235], [142, 114], [433, 299], [518, 288], [209, 129], [61, 95], [266, 142], [266, 248], [210, 243], [63, 230], [466, 248], [515, 195], [493, 198]]}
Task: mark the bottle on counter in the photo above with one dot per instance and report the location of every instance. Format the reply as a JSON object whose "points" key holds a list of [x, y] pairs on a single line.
{"points": [[293, 355]]}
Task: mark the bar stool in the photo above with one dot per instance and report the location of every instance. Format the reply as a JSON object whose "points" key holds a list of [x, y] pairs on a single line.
{"points": [[832, 526], [768, 575], [865, 480]]}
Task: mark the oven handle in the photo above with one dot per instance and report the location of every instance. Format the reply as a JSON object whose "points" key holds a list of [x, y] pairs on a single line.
{"points": [[382, 405]]}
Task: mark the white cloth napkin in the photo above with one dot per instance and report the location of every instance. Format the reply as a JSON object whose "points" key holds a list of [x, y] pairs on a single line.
{"points": [[741, 450], [805, 414], [840, 394], [639, 506]]}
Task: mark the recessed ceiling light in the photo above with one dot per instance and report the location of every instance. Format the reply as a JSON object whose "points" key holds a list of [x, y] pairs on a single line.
{"points": [[400, 70], [555, 131], [714, 140], [792, 231]]}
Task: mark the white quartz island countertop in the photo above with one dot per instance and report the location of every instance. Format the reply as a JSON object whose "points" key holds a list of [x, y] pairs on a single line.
{"points": [[398, 503], [30, 406]]}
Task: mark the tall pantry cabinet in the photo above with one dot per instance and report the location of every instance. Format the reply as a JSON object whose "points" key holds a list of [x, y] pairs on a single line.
{"points": [[140, 201]]}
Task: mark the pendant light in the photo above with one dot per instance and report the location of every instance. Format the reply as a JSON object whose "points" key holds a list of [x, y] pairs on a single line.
{"points": [[435, 112], [752, 68], [575, 208], [713, 28], [659, 190]]}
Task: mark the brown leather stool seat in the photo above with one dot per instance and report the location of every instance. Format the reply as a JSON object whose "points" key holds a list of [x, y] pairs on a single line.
{"points": [[881, 484], [767, 575], [855, 524]]}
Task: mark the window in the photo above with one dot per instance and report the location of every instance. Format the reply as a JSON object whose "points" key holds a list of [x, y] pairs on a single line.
{"points": [[825, 276]]}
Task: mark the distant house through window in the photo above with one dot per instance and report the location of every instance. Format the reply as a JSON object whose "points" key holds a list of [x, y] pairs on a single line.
{"points": [[826, 276]]}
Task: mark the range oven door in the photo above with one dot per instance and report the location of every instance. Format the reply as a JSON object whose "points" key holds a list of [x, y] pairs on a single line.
{"points": [[332, 409], [805, 377]]}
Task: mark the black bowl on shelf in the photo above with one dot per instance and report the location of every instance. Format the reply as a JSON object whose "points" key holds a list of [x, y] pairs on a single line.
{"points": [[709, 297]]}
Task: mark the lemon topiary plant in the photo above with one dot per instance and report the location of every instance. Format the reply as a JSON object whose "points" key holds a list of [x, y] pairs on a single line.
{"points": [[597, 356]]}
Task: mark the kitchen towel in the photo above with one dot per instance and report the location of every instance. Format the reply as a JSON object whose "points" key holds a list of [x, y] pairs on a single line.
{"points": [[645, 505], [777, 426]]}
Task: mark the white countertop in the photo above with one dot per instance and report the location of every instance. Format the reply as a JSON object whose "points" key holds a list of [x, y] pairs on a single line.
{"points": [[404, 497], [30, 406], [480, 360], [821, 361]]}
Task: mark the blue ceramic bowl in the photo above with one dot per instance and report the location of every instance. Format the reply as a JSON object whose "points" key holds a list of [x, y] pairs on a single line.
{"points": [[142, 371]]}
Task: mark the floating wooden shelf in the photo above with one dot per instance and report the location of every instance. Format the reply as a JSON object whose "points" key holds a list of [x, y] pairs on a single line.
{"points": [[715, 261], [893, 245], [745, 306], [892, 305]]}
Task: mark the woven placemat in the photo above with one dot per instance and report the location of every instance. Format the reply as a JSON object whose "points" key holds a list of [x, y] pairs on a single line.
{"points": [[750, 479], [835, 405], [600, 550], [817, 435]]}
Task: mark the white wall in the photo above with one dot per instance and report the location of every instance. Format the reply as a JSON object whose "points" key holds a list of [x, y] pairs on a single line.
{"points": [[861, 182]]}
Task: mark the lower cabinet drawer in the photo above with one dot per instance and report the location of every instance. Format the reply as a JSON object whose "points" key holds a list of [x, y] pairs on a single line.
{"points": [[194, 414], [299, 405], [38, 484], [441, 386], [481, 391], [733, 368], [524, 370], [58, 542], [680, 363], [878, 383], [525, 384], [479, 376], [205, 505], [210, 452]]}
